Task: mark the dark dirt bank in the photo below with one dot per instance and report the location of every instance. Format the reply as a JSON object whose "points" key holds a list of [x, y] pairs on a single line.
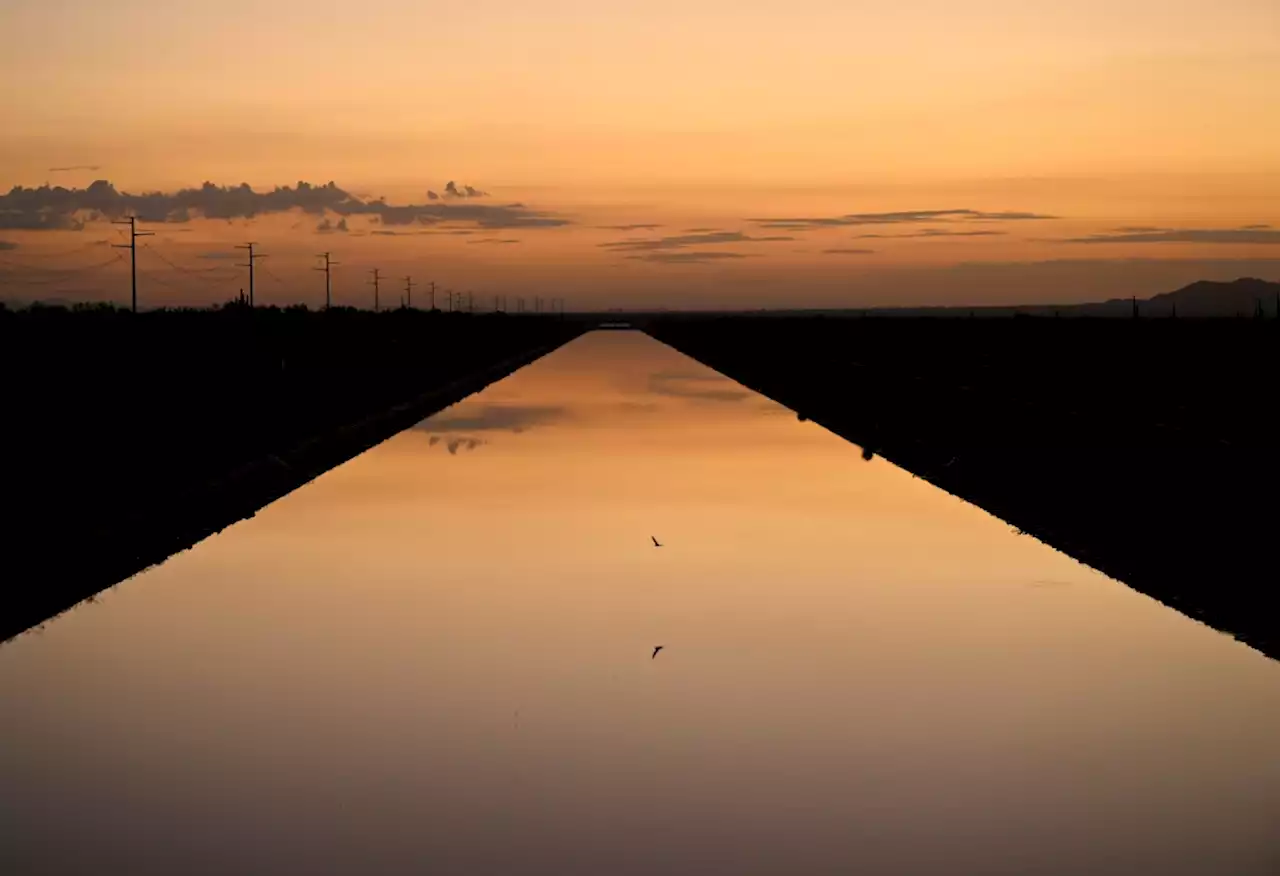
{"points": [[128, 437], [1146, 448]]}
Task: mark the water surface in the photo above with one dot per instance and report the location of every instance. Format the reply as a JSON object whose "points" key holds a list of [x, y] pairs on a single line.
{"points": [[436, 659]]}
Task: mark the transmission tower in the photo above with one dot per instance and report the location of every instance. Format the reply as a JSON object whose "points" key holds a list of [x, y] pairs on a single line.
{"points": [[132, 246], [253, 257], [328, 288]]}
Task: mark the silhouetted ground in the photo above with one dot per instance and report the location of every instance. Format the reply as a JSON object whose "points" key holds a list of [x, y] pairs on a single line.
{"points": [[129, 437], [1146, 448]]}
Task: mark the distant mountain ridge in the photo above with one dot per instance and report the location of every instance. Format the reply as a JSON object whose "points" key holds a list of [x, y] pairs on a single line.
{"points": [[1246, 296], [1242, 297]]}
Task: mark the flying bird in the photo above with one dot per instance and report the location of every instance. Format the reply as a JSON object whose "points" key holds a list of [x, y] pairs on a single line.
{"points": [[656, 649], [656, 543]]}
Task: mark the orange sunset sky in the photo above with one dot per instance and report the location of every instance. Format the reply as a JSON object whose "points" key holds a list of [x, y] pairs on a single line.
{"points": [[704, 153]]}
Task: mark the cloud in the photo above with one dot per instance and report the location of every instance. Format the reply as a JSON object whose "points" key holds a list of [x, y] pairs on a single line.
{"points": [[699, 230], [57, 207], [692, 258], [847, 251], [680, 241], [929, 232], [7, 246], [638, 226], [494, 240], [696, 386], [904, 217], [493, 418], [73, 167], [37, 219], [218, 255], [1254, 227], [1183, 235], [432, 196], [451, 190], [326, 226], [1005, 216]]}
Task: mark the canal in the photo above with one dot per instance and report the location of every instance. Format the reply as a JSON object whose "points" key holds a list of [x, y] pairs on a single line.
{"points": [[438, 658]]}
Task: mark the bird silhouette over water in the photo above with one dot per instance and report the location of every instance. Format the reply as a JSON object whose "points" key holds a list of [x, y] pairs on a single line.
{"points": [[656, 649], [656, 543]]}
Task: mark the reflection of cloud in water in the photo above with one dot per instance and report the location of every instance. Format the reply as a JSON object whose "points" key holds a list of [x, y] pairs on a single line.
{"points": [[493, 418], [453, 445], [468, 419], [638, 407], [696, 386], [769, 406]]}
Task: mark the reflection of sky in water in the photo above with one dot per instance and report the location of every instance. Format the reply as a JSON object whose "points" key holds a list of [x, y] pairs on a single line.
{"points": [[433, 663]]}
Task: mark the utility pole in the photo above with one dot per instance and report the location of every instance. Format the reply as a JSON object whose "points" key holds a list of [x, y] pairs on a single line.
{"points": [[376, 279], [132, 246], [449, 292], [328, 289], [471, 302], [408, 290], [433, 294], [249, 264]]}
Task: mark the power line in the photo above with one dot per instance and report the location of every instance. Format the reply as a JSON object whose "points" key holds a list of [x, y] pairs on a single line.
{"points": [[60, 276], [328, 286], [249, 264], [157, 278], [132, 246], [271, 276], [68, 252], [63, 271], [161, 256]]}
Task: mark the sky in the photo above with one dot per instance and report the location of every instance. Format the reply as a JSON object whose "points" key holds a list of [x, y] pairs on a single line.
{"points": [[1085, 120]]}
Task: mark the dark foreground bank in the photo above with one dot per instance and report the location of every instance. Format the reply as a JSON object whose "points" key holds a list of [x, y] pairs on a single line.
{"points": [[1148, 449], [130, 437]]}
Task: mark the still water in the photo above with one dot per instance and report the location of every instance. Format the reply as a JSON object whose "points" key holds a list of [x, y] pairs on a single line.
{"points": [[437, 659]]}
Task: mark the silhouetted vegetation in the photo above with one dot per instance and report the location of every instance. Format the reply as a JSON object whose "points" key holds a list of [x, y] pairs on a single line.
{"points": [[130, 436], [1143, 447]]}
